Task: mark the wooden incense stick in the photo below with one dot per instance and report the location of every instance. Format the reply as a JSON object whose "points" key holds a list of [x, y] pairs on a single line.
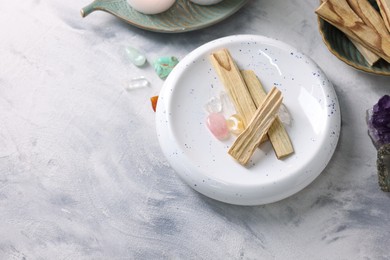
{"points": [[368, 55], [277, 134], [340, 15], [369, 15], [372, 18], [246, 93], [384, 8], [247, 142], [234, 84]]}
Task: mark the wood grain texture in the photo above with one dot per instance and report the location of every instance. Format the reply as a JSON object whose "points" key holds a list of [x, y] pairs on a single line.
{"points": [[277, 134], [247, 142], [369, 56], [369, 15], [339, 14], [234, 83], [384, 8]]}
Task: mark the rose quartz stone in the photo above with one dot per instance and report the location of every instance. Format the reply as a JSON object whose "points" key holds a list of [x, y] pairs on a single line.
{"points": [[216, 123]]}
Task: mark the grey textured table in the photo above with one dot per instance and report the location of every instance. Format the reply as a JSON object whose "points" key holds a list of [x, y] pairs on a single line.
{"points": [[82, 175]]}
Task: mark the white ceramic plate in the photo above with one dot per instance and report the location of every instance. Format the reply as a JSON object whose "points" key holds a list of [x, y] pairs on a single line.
{"points": [[202, 161]]}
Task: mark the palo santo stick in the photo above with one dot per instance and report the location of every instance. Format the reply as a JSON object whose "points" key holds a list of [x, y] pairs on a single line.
{"points": [[247, 142], [384, 8], [339, 14], [372, 18], [246, 99], [277, 134], [234, 84], [368, 55], [369, 15], [254, 86]]}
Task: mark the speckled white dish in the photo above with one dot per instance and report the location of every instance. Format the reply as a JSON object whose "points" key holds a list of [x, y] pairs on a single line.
{"points": [[203, 162]]}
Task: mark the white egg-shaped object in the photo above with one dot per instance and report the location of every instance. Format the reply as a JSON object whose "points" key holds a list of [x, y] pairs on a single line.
{"points": [[151, 6]]}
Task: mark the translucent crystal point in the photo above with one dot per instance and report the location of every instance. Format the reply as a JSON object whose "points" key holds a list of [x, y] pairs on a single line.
{"points": [[139, 82], [227, 105], [284, 115], [214, 105], [135, 56]]}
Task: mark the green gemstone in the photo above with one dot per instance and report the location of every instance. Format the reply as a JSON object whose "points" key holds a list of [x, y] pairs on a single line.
{"points": [[164, 65], [135, 56]]}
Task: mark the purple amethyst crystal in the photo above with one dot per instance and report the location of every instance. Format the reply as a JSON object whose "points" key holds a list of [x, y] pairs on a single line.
{"points": [[378, 120]]}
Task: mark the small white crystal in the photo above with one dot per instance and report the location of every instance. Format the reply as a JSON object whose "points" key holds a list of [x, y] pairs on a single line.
{"points": [[227, 105], [139, 82], [214, 105], [284, 115]]}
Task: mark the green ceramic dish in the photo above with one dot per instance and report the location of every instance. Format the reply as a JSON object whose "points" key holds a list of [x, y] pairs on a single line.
{"points": [[342, 48], [183, 16]]}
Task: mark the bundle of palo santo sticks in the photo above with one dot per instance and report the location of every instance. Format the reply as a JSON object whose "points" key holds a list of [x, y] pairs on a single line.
{"points": [[257, 109], [368, 29]]}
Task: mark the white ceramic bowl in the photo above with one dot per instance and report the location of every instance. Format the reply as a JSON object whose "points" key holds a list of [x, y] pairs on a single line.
{"points": [[202, 161]]}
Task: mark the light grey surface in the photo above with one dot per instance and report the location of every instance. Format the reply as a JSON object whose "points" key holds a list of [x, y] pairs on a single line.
{"points": [[82, 175]]}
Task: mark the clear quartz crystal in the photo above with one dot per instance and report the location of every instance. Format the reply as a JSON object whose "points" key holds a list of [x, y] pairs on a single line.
{"points": [[227, 106], [284, 115], [139, 82], [214, 105]]}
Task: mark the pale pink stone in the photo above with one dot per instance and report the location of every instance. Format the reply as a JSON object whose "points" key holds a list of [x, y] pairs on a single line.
{"points": [[217, 125]]}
